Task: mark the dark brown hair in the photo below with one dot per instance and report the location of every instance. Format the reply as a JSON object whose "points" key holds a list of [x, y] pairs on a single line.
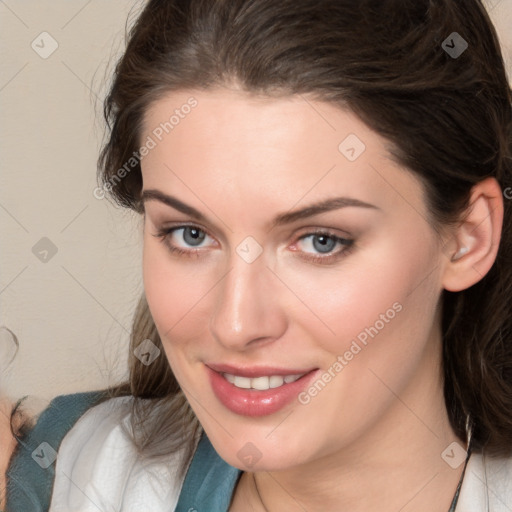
{"points": [[447, 118]]}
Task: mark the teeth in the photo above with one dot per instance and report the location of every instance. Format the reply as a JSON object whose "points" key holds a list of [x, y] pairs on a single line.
{"points": [[291, 378], [260, 383], [229, 377], [275, 381]]}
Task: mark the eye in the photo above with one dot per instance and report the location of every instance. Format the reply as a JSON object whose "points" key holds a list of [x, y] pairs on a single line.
{"points": [[319, 247], [183, 239], [323, 247], [192, 236]]}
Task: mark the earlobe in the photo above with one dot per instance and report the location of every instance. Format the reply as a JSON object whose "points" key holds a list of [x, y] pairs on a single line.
{"points": [[477, 238]]}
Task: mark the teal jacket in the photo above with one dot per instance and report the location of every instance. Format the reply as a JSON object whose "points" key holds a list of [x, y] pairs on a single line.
{"points": [[29, 482], [208, 484]]}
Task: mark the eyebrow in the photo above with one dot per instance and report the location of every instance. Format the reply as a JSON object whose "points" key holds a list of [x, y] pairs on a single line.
{"points": [[281, 219]]}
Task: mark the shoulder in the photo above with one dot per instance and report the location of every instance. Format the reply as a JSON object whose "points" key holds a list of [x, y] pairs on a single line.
{"points": [[487, 484], [99, 467], [31, 469]]}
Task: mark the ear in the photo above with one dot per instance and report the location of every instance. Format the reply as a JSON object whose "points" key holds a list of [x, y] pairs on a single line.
{"points": [[474, 246]]}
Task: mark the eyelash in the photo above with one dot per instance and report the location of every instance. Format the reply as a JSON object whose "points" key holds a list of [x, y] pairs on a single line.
{"points": [[164, 234]]}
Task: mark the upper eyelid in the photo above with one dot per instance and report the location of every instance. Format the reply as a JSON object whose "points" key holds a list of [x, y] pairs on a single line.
{"points": [[337, 238], [335, 233], [167, 226], [312, 230], [191, 225]]}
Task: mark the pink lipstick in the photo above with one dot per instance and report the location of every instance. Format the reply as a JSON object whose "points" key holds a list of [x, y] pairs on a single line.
{"points": [[257, 391]]}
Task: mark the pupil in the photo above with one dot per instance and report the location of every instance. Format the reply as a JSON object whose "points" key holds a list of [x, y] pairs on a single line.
{"points": [[325, 243], [193, 236]]}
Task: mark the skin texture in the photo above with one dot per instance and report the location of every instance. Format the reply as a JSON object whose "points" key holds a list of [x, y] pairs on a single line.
{"points": [[372, 438]]}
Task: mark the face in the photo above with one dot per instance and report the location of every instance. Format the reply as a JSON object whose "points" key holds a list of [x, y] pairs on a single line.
{"points": [[289, 243]]}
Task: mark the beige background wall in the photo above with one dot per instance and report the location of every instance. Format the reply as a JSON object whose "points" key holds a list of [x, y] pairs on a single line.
{"points": [[71, 310]]}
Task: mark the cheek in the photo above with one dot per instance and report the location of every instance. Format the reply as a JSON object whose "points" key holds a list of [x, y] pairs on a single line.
{"points": [[386, 297], [176, 294], [382, 315]]}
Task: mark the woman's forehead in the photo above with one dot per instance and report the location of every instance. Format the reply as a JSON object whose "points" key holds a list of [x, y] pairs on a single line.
{"points": [[256, 148]]}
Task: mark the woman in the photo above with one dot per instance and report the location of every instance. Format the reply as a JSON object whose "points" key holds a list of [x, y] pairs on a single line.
{"points": [[327, 315]]}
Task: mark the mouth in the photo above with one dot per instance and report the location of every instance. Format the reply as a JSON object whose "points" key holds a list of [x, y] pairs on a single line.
{"points": [[257, 391]]}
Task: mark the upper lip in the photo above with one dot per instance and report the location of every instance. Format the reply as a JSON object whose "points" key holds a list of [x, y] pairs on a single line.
{"points": [[257, 371]]}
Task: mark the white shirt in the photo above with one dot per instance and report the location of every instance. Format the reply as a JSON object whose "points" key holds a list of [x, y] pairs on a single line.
{"points": [[97, 469], [487, 485]]}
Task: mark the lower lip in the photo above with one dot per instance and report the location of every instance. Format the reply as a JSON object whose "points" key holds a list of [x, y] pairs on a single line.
{"points": [[251, 402]]}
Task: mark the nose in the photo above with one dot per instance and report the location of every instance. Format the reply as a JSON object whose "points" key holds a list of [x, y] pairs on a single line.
{"points": [[247, 312]]}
